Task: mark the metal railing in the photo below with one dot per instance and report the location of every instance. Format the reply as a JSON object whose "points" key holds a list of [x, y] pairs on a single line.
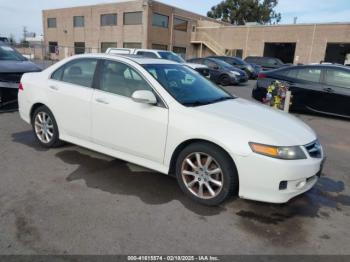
{"points": [[204, 38]]}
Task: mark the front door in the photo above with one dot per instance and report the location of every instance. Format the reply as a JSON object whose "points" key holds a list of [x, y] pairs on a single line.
{"points": [[121, 124]]}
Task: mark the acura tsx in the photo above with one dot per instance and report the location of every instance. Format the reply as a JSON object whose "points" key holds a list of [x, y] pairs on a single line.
{"points": [[167, 117]]}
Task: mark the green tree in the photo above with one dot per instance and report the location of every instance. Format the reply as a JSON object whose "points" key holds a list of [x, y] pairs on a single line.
{"points": [[239, 12]]}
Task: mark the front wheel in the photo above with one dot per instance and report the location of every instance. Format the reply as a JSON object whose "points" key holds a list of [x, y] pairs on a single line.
{"points": [[45, 128], [206, 174], [225, 80]]}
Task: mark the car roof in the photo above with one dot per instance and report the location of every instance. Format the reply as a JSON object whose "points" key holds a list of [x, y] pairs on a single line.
{"points": [[135, 58], [316, 66]]}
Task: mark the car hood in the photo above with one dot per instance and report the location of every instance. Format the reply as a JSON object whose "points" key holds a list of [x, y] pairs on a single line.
{"points": [[236, 69], [18, 67], [259, 123]]}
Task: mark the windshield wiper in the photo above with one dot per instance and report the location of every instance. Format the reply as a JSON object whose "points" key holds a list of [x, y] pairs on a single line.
{"points": [[221, 99], [196, 103], [202, 103]]}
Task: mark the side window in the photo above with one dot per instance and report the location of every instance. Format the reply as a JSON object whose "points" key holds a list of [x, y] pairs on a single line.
{"points": [[291, 73], [147, 54], [57, 75], [310, 74], [338, 78], [210, 64], [120, 79], [80, 72]]}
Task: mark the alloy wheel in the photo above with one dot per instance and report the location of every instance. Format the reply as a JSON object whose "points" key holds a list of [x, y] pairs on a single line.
{"points": [[44, 128], [202, 175]]}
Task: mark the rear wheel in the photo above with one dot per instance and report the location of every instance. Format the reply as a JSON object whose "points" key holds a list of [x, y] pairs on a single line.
{"points": [[45, 128], [206, 174]]}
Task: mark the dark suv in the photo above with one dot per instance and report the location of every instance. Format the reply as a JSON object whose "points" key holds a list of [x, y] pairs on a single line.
{"points": [[239, 63], [267, 63]]}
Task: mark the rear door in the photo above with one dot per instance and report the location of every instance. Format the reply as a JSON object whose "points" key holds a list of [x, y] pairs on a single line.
{"points": [[69, 94], [307, 88], [337, 91]]}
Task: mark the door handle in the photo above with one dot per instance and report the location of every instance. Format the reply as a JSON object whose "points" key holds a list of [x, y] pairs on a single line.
{"points": [[54, 88], [328, 90], [101, 101]]}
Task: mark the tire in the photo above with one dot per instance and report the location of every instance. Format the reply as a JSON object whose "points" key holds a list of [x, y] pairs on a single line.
{"points": [[45, 128], [190, 178], [225, 80]]}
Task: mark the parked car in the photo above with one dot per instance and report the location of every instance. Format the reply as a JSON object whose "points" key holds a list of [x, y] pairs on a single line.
{"points": [[202, 69], [221, 72], [164, 116], [239, 63], [12, 67], [150, 53], [317, 88], [161, 54], [266, 63]]}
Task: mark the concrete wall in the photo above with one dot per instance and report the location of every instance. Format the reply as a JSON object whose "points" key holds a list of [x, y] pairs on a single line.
{"points": [[311, 40]]}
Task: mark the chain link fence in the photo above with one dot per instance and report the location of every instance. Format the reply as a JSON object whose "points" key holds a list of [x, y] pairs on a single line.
{"points": [[46, 55]]}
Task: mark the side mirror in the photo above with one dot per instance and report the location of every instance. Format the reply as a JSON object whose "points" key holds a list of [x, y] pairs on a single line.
{"points": [[144, 97]]}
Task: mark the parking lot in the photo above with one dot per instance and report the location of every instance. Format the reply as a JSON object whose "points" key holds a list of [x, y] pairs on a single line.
{"points": [[74, 201]]}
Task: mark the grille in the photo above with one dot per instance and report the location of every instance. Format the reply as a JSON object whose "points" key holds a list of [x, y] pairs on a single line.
{"points": [[10, 77], [314, 149]]}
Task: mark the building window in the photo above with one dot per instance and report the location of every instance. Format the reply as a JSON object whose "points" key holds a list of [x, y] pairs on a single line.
{"points": [[132, 45], [180, 24], [108, 19], [79, 48], [51, 23], [78, 21], [160, 20], [180, 51], [53, 47], [159, 47], [106, 45], [133, 18]]}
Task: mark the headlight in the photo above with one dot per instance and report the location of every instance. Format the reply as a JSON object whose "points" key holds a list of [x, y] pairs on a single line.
{"points": [[235, 73], [280, 152]]}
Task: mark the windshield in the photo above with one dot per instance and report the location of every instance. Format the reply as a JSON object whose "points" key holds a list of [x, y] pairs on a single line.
{"points": [[187, 86], [10, 54], [171, 56]]}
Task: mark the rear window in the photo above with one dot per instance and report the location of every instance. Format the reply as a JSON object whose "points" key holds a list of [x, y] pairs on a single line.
{"points": [[340, 78]]}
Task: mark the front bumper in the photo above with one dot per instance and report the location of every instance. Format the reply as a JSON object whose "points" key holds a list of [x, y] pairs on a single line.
{"points": [[261, 177]]}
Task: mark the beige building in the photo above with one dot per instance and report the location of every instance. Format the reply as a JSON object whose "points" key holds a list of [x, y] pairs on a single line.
{"points": [[151, 24], [132, 24], [297, 43]]}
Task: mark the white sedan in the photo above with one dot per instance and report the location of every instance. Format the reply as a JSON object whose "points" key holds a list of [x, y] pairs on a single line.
{"points": [[165, 116]]}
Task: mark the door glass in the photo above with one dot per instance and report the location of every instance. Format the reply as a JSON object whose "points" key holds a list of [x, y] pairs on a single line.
{"points": [[120, 79], [80, 72], [210, 64], [310, 74], [338, 78], [147, 54]]}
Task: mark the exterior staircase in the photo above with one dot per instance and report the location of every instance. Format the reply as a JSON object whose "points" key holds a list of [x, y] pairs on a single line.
{"points": [[204, 39]]}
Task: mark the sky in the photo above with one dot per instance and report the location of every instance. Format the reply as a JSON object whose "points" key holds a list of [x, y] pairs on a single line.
{"points": [[14, 14]]}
